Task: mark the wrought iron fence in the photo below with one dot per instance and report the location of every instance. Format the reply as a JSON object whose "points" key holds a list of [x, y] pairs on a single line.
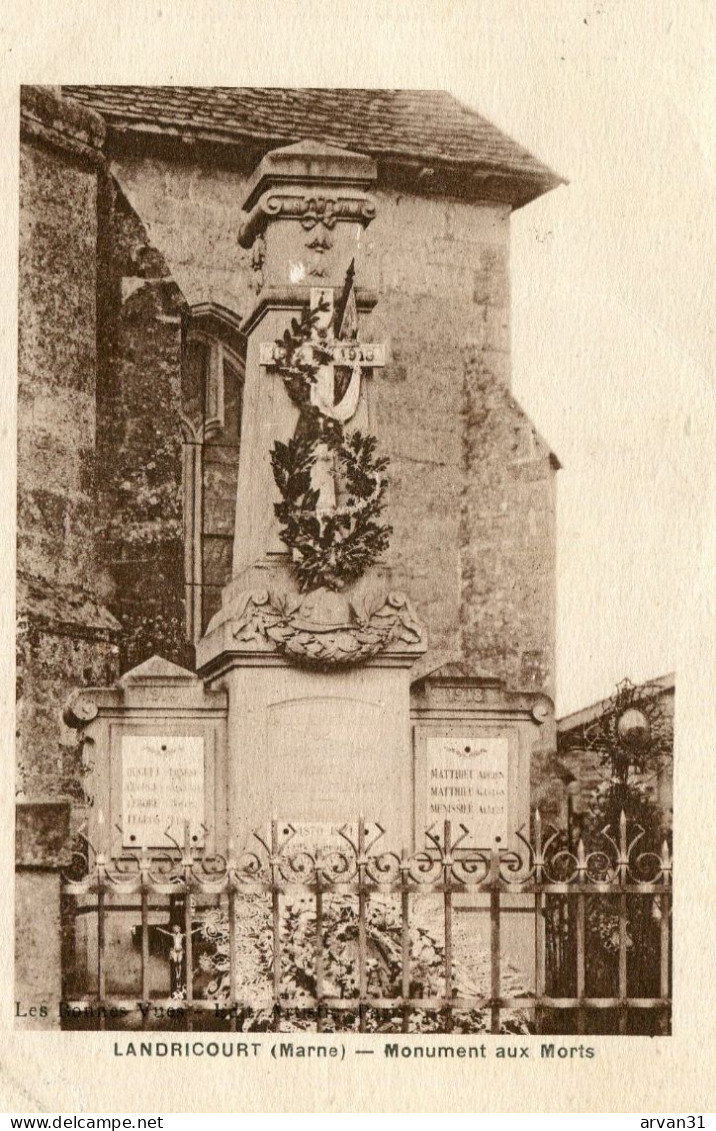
{"points": [[363, 938]]}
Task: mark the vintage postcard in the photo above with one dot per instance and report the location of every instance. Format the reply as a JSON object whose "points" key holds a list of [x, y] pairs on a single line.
{"points": [[363, 445]]}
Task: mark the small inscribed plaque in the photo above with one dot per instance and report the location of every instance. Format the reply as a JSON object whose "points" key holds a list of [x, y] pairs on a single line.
{"points": [[162, 789], [467, 784], [318, 838]]}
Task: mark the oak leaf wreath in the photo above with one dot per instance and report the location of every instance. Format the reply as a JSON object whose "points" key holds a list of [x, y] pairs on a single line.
{"points": [[328, 549]]}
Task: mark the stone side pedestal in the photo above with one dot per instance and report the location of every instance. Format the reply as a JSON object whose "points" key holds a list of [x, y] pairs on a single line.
{"points": [[473, 743], [473, 747], [155, 747]]}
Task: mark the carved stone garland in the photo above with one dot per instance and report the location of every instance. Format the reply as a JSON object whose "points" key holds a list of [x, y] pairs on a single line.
{"points": [[286, 623]]}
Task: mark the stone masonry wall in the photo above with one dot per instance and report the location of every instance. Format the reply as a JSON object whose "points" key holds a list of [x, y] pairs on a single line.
{"points": [[140, 508], [471, 484], [65, 636], [58, 235], [507, 609], [192, 214]]}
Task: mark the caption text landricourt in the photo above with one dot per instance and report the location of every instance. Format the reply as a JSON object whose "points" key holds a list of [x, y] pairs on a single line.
{"points": [[390, 1050]]}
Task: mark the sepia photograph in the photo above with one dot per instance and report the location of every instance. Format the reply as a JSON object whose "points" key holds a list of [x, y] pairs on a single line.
{"points": [[358, 481], [287, 549]]}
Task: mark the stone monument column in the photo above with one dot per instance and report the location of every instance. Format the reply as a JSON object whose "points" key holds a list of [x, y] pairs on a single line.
{"points": [[312, 647], [306, 213]]}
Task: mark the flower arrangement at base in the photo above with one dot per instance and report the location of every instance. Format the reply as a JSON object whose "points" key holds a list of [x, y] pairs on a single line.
{"points": [[340, 962]]}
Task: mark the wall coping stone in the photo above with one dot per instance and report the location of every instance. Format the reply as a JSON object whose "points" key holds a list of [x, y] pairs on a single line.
{"points": [[61, 123]]}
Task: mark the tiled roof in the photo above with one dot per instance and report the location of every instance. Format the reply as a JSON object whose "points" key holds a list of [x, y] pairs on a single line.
{"points": [[425, 125]]}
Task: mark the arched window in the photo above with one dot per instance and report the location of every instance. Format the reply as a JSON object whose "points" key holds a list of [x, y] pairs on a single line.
{"points": [[212, 395]]}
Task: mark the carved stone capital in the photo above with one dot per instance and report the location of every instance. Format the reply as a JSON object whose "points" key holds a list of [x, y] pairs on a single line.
{"points": [[309, 209], [310, 164]]}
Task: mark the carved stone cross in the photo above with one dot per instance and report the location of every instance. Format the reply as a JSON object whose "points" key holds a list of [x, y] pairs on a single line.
{"points": [[333, 402], [346, 354]]}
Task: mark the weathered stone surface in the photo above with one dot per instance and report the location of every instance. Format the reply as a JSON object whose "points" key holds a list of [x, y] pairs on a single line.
{"points": [[42, 834], [140, 510], [194, 215], [42, 848], [65, 634], [471, 488], [38, 945], [508, 569], [63, 639], [56, 357]]}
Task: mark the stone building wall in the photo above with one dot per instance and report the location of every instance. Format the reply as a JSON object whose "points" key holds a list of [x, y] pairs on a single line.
{"points": [[66, 636], [192, 213], [139, 407], [472, 486]]}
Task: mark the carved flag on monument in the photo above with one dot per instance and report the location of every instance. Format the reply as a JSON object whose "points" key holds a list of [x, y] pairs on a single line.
{"points": [[346, 318]]}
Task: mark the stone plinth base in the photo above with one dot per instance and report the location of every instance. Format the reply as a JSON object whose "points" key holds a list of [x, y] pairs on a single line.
{"points": [[319, 706], [318, 746]]}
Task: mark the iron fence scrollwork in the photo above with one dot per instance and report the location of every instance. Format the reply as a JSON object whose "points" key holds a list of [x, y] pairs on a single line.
{"points": [[364, 937]]}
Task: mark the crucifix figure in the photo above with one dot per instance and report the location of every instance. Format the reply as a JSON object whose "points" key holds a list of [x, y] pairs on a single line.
{"points": [[334, 395]]}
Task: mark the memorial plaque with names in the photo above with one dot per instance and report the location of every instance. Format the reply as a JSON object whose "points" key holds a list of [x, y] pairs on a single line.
{"points": [[467, 784], [162, 790]]}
